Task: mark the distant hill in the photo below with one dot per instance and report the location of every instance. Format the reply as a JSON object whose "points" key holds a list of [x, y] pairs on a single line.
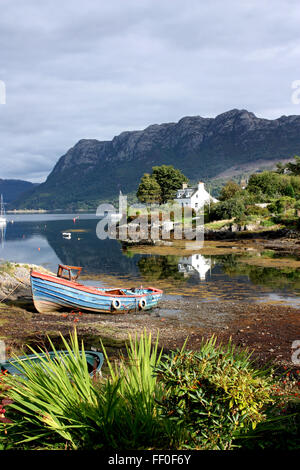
{"points": [[14, 189], [202, 148]]}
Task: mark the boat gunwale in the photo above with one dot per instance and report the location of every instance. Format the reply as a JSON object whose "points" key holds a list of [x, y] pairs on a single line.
{"points": [[42, 355], [90, 289]]}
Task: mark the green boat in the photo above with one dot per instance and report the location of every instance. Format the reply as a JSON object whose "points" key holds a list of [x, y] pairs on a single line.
{"points": [[94, 361]]}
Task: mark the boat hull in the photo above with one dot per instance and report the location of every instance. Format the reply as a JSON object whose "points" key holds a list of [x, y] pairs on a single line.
{"points": [[12, 366], [51, 294]]}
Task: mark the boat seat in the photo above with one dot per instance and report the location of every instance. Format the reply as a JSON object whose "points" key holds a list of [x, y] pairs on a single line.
{"points": [[115, 292]]}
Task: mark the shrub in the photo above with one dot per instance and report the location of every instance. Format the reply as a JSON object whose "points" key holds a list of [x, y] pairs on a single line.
{"points": [[227, 209], [282, 204], [257, 210], [214, 393]]}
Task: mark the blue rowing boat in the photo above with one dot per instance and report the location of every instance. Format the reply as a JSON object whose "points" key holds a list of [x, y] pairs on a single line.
{"points": [[94, 361], [51, 293]]}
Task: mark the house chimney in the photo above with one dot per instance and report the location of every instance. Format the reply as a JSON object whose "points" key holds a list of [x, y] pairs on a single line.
{"points": [[200, 185], [184, 185]]}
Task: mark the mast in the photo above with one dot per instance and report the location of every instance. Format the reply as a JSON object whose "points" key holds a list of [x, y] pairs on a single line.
{"points": [[2, 210], [1, 207]]}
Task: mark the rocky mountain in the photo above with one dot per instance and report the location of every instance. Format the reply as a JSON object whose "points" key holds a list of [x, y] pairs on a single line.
{"points": [[202, 148], [14, 189]]}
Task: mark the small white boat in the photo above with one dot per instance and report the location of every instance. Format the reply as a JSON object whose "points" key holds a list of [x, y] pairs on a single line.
{"points": [[2, 212], [67, 235]]}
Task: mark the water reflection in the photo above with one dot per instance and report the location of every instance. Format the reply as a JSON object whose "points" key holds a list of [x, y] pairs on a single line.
{"points": [[2, 234], [195, 263], [38, 239]]}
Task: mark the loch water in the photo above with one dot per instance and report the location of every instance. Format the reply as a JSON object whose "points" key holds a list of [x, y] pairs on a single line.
{"points": [[38, 239]]}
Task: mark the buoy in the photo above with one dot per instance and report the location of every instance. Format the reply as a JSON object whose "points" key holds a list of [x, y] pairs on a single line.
{"points": [[142, 303], [116, 304], [39, 249]]}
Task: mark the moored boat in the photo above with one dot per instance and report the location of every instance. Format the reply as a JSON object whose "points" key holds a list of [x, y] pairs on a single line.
{"points": [[51, 293], [12, 366], [2, 212], [67, 235]]}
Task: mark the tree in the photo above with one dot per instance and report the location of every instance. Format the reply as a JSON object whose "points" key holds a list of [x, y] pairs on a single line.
{"points": [[227, 209], [149, 190], [282, 204], [294, 168], [267, 183], [289, 190], [280, 168], [169, 179], [161, 185], [229, 190]]}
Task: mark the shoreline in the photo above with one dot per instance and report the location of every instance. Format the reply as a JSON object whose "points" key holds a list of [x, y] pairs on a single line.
{"points": [[266, 329]]}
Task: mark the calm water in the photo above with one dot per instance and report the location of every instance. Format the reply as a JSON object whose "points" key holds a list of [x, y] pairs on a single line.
{"points": [[37, 239]]}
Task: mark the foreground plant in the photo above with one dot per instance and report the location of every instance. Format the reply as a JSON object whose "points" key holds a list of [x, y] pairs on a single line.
{"points": [[209, 399], [57, 403], [214, 393]]}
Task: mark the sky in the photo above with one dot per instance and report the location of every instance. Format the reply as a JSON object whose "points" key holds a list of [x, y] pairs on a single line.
{"points": [[72, 69]]}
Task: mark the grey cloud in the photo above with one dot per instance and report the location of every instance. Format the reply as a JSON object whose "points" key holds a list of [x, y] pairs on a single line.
{"points": [[93, 69]]}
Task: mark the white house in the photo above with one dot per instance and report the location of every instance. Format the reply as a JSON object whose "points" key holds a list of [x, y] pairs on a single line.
{"points": [[195, 198], [194, 263]]}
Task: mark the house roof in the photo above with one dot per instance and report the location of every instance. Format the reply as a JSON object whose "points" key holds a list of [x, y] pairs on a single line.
{"points": [[185, 193]]}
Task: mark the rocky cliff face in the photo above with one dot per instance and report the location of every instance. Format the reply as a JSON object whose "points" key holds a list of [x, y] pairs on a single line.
{"points": [[201, 147]]}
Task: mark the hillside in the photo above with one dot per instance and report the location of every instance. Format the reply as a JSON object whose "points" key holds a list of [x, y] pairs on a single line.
{"points": [[13, 189], [202, 148]]}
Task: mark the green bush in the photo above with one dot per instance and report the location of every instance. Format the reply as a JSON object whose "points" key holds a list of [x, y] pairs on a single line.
{"points": [[282, 204], [214, 393], [257, 210], [227, 209]]}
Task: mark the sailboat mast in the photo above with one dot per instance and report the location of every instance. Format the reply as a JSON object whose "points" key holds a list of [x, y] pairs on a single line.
{"points": [[2, 212]]}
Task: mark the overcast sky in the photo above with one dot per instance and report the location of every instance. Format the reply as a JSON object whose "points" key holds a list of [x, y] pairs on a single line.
{"points": [[91, 69]]}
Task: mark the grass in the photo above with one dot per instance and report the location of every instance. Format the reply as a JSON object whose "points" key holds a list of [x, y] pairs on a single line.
{"points": [[7, 268], [218, 224]]}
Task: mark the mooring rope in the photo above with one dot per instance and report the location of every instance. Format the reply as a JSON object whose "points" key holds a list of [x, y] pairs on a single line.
{"points": [[15, 288]]}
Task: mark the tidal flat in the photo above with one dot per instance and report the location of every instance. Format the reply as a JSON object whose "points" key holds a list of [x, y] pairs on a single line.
{"points": [[260, 321]]}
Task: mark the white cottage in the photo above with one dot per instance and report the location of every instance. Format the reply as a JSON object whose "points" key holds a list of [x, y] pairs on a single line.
{"points": [[195, 198]]}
